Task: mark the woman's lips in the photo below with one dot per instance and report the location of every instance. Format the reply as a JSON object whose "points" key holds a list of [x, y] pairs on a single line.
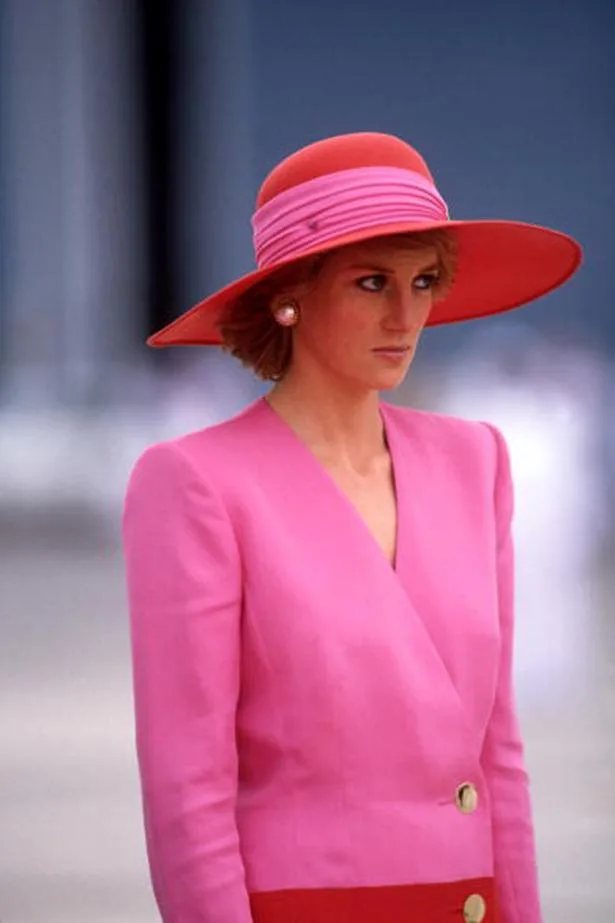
{"points": [[393, 353]]}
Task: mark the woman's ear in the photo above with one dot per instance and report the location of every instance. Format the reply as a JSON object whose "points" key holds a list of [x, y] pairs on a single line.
{"points": [[287, 295], [286, 313], [287, 303]]}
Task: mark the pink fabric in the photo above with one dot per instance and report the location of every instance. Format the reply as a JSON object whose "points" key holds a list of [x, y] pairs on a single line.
{"points": [[331, 206], [304, 711]]}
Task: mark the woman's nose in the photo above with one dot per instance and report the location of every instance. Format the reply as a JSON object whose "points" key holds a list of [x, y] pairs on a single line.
{"points": [[408, 310]]}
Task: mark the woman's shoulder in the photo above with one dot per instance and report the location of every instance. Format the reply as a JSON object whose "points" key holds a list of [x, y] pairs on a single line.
{"points": [[212, 448], [223, 437], [439, 428], [451, 449], [473, 450]]}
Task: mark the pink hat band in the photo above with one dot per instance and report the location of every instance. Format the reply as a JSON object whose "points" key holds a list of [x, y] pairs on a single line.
{"points": [[336, 204]]}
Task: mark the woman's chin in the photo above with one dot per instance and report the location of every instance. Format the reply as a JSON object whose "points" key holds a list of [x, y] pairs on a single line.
{"points": [[387, 381], [382, 380]]}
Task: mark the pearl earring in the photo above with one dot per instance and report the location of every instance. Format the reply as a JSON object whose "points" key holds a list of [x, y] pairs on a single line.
{"points": [[287, 314]]}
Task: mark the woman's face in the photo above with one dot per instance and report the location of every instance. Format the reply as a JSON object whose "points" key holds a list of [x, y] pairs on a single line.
{"points": [[362, 317]]}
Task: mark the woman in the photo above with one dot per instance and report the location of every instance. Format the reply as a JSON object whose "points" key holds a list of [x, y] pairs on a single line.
{"points": [[320, 588]]}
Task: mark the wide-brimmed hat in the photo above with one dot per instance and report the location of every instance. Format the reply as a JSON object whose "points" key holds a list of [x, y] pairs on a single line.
{"points": [[354, 187]]}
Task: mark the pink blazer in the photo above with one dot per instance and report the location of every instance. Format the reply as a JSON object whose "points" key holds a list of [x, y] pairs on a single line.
{"points": [[305, 713]]}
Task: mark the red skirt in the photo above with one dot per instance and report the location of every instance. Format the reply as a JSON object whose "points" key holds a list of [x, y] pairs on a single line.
{"points": [[468, 901]]}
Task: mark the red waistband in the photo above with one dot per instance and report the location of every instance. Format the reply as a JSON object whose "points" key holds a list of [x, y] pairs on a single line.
{"points": [[468, 901]]}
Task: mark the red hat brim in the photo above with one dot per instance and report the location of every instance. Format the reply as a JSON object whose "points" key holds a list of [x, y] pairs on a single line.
{"points": [[500, 265]]}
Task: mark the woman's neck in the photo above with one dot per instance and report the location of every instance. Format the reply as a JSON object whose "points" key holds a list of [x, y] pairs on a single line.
{"points": [[342, 427]]}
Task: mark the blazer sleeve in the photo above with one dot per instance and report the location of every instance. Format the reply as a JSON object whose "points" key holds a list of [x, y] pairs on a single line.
{"points": [[184, 597], [503, 753]]}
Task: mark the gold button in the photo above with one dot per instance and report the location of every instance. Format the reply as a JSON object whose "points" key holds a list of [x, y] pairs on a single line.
{"points": [[466, 798], [474, 909]]}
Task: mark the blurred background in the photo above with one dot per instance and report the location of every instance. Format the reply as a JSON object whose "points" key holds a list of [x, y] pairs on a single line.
{"points": [[133, 138]]}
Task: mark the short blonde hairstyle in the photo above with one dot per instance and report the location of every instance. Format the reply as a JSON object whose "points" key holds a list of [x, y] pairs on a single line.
{"points": [[251, 334]]}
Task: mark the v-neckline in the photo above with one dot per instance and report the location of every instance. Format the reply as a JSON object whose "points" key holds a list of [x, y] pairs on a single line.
{"points": [[342, 495]]}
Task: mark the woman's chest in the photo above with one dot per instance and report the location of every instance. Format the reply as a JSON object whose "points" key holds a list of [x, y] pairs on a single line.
{"points": [[322, 601], [373, 498], [324, 610]]}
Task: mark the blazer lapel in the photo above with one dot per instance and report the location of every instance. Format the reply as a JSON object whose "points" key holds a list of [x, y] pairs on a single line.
{"points": [[354, 540], [409, 480]]}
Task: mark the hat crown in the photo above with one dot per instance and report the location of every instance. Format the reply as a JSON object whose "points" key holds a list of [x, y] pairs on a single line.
{"points": [[341, 152]]}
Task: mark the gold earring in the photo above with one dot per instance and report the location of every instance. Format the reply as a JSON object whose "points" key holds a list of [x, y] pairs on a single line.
{"points": [[287, 314]]}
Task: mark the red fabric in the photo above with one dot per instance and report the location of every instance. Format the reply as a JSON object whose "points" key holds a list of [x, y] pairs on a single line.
{"points": [[425, 903], [341, 153]]}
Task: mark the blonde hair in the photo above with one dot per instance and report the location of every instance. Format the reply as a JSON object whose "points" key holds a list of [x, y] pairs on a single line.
{"points": [[250, 332]]}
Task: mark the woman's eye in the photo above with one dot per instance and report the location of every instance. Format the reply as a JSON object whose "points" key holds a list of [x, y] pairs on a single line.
{"points": [[426, 281], [372, 283]]}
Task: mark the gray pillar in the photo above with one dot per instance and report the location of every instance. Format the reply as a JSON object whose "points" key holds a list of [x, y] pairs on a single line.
{"points": [[73, 274]]}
